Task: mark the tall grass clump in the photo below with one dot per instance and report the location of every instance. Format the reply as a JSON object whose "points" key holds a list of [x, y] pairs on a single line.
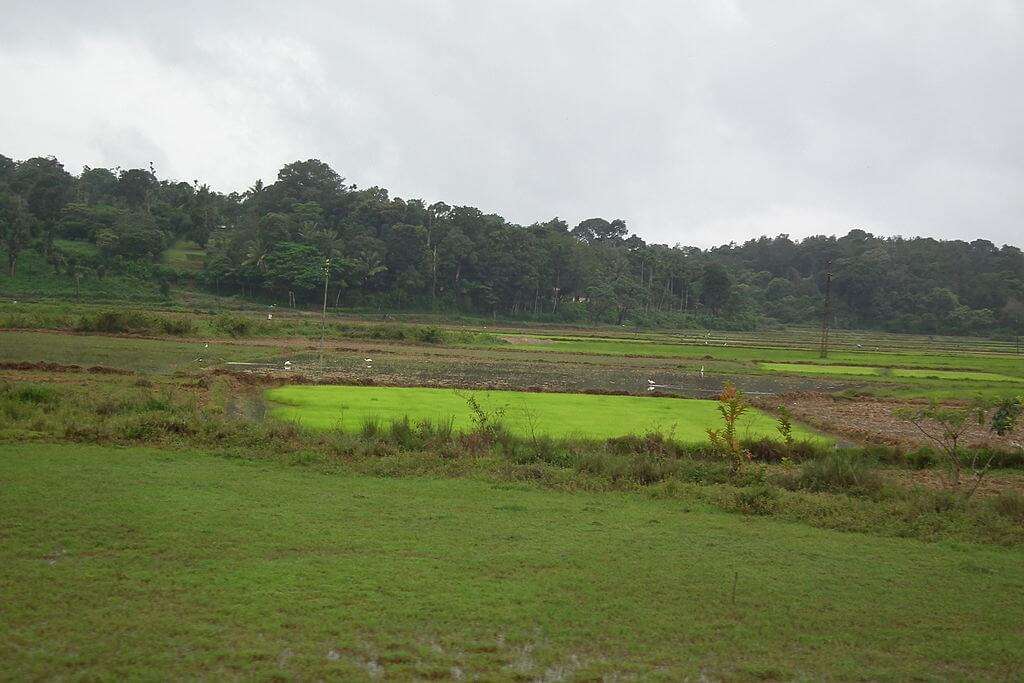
{"points": [[121, 321], [234, 325], [838, 472]]}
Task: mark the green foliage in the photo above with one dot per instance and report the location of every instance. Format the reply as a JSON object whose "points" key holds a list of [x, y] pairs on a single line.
{"points": [[271, 243], [785, 426], [732, 404], [1005, 415], [759, 498], [135, 322], [839, 472], [235, 325]]}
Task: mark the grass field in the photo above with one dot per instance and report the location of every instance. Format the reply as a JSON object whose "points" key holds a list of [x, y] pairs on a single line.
{"points": [[141, 563], [585, 415], [954, 375]]}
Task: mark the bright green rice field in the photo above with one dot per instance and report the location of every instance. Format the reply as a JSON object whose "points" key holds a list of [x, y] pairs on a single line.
{"points": [[527, 413], [864, 370]]}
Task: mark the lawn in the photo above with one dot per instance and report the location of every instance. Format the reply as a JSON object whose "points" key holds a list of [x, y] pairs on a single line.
{"points": [[928, 373], [589, 415], [138, 563]]}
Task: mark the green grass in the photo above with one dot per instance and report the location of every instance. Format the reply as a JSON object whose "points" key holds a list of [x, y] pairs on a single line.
{"points": [[586, 415], [928, 373], [136, 563], [185, 256]]}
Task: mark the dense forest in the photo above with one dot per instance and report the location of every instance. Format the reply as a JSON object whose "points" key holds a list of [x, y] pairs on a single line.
{"points": [[276, 243]]}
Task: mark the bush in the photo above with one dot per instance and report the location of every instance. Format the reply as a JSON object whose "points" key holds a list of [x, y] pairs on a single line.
{"points": [[839, 473], [33, 394], [178, 325], [1009, 504], [920, 458], [234, 325], [757, 499], [116, 322]]}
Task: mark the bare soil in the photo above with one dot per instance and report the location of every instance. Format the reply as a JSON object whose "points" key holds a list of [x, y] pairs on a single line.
{"points": [[867, 420]]}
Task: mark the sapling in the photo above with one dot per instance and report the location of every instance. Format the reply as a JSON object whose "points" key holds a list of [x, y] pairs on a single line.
{"points": [[731, 405]]}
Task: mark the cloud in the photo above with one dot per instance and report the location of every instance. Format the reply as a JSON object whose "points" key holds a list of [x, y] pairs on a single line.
{"points": [[697, 122]]}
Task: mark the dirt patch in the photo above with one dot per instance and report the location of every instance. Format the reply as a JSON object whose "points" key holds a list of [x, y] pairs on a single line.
{"points": [[45, 366], [873, 421], [520, 339]]}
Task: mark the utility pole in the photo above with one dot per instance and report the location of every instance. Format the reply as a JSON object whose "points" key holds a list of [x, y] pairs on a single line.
{"points": [[827, 313], [323, 314]]}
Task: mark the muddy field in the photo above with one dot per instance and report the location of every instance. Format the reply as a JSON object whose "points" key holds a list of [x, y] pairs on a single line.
{"points": [[869, 420]]}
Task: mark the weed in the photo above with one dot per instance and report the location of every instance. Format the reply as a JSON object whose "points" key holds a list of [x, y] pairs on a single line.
{"points": [[1009, 504], [757, 499]]}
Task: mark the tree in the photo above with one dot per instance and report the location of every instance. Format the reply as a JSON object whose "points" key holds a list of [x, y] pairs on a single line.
{"points": [[16, 224], [598, 230], [135, 186], [716, 288], [44, 185]]}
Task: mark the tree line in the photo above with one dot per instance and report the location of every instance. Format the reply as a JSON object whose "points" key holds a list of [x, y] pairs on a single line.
{"points": [[280, 242]]}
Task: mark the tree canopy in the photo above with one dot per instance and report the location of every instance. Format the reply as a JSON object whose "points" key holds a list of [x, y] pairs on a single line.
{"points": [[272, 242]]}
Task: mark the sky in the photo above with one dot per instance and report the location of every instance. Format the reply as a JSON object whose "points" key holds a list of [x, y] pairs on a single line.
{"points": [[697, 122]]}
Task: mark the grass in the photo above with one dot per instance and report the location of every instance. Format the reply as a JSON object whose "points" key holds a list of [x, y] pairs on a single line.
{"points": [[185, 256], [203, 567], [586, 415], [928, 373]]}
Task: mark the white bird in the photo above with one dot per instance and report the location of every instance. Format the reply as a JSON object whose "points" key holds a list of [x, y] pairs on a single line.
{"points": [[206, 345], [702, 372], [368, 360], [650, 381], [287, 362]]}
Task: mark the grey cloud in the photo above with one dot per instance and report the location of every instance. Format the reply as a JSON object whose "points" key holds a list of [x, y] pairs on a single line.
{"points": [[697, 122]]}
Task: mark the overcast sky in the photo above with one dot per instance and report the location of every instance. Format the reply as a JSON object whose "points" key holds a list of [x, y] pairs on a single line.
{"points": [[696, 122]]}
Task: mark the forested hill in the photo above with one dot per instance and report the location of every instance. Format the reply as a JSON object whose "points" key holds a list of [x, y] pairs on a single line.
{"points": [[271, 243]]}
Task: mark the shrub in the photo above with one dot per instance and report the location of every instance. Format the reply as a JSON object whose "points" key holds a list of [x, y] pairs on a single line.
{"points": [[33, 394], [116, 322], [839, 473], [1009, 504], [234, 325], [757, 499], [177, 325], [428, 335], [920, 458]]}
